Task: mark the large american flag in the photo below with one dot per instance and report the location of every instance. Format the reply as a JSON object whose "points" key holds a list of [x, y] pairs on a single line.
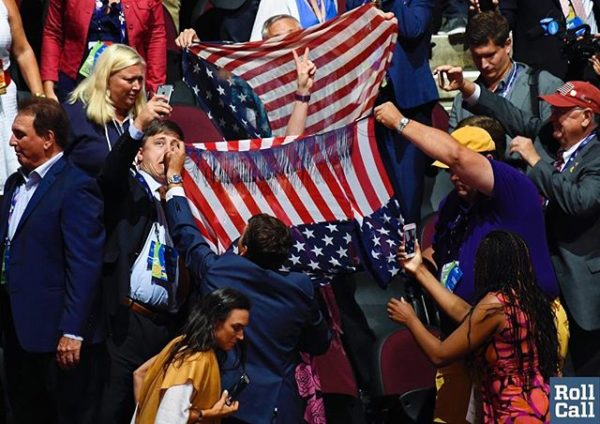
{"points": [[351, 52], [331, 189]]}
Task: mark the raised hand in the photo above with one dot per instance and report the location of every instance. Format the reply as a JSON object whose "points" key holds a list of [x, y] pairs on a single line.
{"points": [[186, 38], [450, 77], [305, 70], [156, 108], [411, 265]]}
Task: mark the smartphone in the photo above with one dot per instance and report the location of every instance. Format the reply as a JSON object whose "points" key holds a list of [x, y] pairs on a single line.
{"points": [[410, 237], [165, 90], [486, 5], [237, 388]]}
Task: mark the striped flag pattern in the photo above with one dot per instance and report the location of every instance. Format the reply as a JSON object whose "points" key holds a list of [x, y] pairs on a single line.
{"points": [[336, 176], [351, 52]]}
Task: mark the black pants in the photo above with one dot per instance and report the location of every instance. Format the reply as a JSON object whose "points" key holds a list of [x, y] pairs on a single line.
{"points": [[133, 340], [39, 391]]}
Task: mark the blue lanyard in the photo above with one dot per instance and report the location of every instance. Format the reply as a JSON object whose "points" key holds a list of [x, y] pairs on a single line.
{"points": [[144, 184], [584, 143], [511, 81]]}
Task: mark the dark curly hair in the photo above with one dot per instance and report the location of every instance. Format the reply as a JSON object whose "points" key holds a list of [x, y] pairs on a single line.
{"points": [[485, 27], [198, 334], [503, 265], [268, 241]]}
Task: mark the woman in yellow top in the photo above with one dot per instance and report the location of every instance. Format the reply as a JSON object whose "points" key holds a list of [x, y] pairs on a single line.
{"points": [[182, 383]]}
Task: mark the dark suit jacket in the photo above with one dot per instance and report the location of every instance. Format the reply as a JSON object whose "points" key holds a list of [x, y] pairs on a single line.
{"points": [[572, 215], [409, 72], [129, 215], [530, 45], [55, 259], [284, 320]]}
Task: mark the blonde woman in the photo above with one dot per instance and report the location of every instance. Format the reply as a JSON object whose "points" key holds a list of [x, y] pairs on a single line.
{"points": [[103, 105]]}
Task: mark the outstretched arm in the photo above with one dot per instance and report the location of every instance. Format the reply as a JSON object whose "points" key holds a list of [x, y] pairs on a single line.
{"points": [[487, 317], [472, 168], [452, 305], [187, 237]]}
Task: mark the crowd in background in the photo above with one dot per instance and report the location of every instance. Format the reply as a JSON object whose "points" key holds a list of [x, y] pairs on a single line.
{"points": [[115, 309]]}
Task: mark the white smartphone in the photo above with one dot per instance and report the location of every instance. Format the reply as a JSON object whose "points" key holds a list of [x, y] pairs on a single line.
{"points": [[409, 232], [166, 90]]}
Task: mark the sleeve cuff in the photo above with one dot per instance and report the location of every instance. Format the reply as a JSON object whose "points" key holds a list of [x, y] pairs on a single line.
{"points": [[73, 336], [135, 133], [174, 191], [473, 98]]}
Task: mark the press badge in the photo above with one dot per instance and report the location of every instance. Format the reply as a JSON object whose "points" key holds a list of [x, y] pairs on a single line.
{"points": [[451, 275], [95, 50], [162, 261]]}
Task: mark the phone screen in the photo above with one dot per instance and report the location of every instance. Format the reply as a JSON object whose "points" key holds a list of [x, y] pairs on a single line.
{"points": [[410, 236]]}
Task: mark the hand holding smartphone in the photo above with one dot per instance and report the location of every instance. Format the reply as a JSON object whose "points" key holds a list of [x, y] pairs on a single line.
{"points": [[165, 90], [235, 390], [409, 235]]}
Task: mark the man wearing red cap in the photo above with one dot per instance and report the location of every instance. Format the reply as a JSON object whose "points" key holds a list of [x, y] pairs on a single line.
{"points": [[571, 186]]}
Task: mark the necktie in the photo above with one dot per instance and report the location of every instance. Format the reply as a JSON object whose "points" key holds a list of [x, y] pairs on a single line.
{"points": [[560, 160], [576, 6], [579, 9]]}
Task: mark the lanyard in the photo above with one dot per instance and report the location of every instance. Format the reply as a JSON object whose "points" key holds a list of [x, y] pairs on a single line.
{"points": [[118, 128], [511, 82], [584, 143]]}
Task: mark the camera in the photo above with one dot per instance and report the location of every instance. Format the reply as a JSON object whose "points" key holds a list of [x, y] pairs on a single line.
{"points": [[578, 43]]}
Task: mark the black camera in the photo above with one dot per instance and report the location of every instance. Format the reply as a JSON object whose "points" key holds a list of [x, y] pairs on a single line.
{"points": [[578, 43]]}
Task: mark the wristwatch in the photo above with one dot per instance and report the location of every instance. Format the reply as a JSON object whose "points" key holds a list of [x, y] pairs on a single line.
{"points": [[175, 179], [403, 123]]}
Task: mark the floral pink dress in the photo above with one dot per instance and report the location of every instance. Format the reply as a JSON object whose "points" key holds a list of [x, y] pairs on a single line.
{"points": [[507, 395]]}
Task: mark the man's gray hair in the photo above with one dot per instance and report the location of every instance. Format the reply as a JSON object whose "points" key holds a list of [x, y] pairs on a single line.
{"points": [[265, 29]]}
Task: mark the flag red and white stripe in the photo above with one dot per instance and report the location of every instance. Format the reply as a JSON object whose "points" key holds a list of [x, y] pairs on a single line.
{"points": [[351, 52], [334, 190]]}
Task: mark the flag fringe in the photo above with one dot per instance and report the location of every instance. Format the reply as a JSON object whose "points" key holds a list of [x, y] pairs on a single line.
{"points": [[331, 149]]}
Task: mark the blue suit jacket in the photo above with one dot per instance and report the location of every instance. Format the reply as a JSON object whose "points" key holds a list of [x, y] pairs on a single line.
{"points": [[284, 320], [55, 258], [409, 72]]}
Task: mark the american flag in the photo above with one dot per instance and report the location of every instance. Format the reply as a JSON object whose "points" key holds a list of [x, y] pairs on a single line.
{"points": [[351, 52], [331, 189]]}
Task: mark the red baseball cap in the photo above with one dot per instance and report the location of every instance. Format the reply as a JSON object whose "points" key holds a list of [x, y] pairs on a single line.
{"points": [[575, 94]]}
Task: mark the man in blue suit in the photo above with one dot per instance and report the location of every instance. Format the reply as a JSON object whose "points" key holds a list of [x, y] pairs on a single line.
{"points": [[50, 224], [285, 315], [410, 86]]}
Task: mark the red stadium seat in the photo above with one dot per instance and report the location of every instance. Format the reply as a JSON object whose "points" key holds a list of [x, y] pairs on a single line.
{"points": [[439, 117], [404, 380], [195, 124]]}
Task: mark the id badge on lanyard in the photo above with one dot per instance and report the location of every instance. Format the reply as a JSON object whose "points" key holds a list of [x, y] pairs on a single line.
{"points": [[162, 261], [451, 275]]}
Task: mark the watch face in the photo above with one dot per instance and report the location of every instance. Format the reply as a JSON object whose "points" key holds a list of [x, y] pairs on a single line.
{"points": [[175, 179]]}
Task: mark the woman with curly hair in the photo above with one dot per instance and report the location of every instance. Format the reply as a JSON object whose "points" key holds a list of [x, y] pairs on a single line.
{"points": [[511, 329], [182, 383]]}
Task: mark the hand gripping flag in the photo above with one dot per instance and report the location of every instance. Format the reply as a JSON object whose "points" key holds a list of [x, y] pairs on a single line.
{"points": [[248, 88]]}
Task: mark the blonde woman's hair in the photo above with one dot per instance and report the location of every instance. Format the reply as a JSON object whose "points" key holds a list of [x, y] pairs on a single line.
{"points": [[93, 91]]}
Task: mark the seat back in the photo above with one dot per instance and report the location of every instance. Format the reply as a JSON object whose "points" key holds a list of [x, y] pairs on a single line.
{"points": [[428, 230], [195, 124], [439, 117], [401, 364]]}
